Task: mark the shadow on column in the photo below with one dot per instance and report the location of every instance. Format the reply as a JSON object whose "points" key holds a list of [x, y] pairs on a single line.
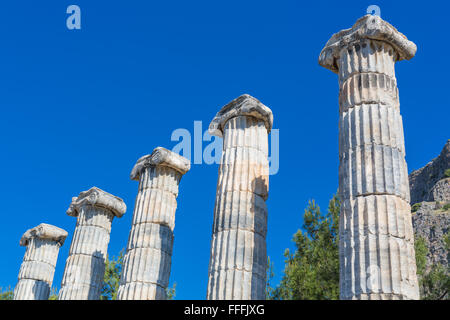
{"points": [[258, 277], [41, 290], [97, 275], [166, 236]]}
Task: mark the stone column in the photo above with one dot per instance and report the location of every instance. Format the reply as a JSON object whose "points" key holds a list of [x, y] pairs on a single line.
{"points": [[377, 259], [85, 266], [38, 266], [237, 267], [147, 262]]}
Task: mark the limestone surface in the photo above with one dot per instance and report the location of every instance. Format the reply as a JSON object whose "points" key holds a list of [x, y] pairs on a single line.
{"points": [[441, 191], [147, 262], [432, 223], [38, 266], [85, 266], [369, 27], [377, 259], [430, 189], [237, 268], [244, 105], [423, 180]]}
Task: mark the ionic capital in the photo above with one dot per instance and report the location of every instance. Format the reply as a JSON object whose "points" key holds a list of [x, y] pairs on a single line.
{"points": [[97, 198], [44, 231], [160, 157], [244, 105], [368, 27]]}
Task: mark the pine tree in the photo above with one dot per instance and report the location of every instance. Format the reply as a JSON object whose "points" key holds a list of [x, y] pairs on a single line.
{"points": [[111, 279], [312, 271]]}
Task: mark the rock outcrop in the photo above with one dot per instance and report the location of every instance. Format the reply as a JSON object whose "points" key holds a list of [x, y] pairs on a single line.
{"points": [[432, 223], [430, 193], [423, 181]]}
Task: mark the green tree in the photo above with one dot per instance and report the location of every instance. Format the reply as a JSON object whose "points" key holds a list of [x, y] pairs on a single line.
{"points": [[53, 294], [421, 249], [270, 291], [434, 282], [171, 292], [312, 271], [447, 173], [7, 294], [111, 279]]}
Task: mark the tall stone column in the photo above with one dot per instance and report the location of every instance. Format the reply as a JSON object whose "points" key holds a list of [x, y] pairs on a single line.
{"points": [[95, 210], [237, 267], [147, 262], [377, 259], [38, 266]]}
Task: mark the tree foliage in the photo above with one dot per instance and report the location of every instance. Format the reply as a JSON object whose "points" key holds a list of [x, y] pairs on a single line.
{"points": [[171, 292], [53, 294], [111, 278], [312, 271], [270, 291], [434, 281], [7, 294]]}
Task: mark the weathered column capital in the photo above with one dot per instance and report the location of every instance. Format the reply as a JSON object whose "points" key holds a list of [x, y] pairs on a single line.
{"points": [[44, 231], [97, 198], [160, 157], [38, 266], [244, 105], [368, 27]]}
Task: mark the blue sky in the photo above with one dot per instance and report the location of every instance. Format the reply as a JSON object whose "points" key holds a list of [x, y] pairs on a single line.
{"points": [[79, 107]]}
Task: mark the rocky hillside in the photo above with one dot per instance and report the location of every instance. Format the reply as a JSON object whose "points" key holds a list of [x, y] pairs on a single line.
{"points": [[431, 222], [423, 181], [430, 199]]}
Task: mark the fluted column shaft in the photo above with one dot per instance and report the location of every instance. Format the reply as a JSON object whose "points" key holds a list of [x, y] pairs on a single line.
{"points": [[85, 266], [377, 259], [377, 242], [147, 262], [237, 268], [38, 267], [37, 270]]}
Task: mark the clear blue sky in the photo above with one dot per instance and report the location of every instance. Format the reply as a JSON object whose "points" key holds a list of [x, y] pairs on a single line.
{"points": [[78, 108]]}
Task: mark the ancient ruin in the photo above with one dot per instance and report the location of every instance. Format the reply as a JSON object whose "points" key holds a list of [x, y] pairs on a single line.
{"points": [[38, 266], [376, 234], [95, 210], [237, 268], [377, 258], [147, 262]]}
